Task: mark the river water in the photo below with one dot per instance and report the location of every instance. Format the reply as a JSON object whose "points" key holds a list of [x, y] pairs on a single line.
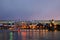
{"points": [[29, 35]]}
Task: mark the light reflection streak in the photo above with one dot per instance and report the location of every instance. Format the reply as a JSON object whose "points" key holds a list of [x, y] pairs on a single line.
{"points": [[24, 35], [19, 34], [11, 36]]}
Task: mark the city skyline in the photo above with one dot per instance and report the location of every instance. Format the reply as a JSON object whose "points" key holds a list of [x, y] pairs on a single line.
{"points": [[29, 9]]}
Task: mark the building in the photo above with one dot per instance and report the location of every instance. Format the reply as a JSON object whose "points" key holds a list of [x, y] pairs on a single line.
{"points": [[6, 22]]}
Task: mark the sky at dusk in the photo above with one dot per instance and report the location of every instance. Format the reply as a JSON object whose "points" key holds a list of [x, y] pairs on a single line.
{"points": [[29, 9]]}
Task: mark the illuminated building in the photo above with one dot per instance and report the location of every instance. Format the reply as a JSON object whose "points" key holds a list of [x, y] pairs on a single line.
{"points": [[24, 25]]}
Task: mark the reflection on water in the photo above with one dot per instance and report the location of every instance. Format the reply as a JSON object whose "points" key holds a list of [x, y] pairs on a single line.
{"points": [[29, 35], [11, 36]]}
